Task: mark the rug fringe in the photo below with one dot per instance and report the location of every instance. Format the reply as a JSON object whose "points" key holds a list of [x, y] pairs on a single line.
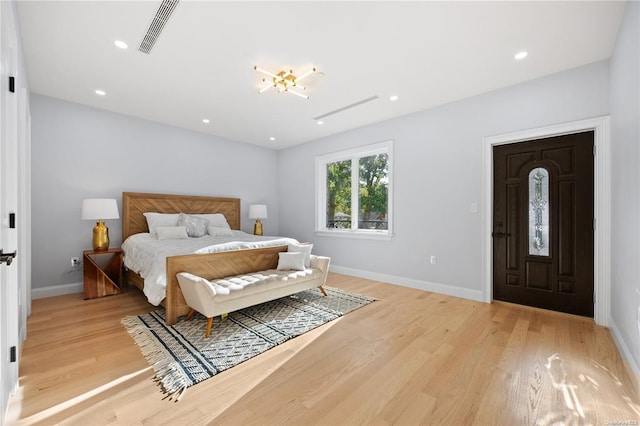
{"points": [[168, 373]]}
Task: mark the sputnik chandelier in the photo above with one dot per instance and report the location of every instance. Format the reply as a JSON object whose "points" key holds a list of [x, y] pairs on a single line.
{"points": [[284, 81]]}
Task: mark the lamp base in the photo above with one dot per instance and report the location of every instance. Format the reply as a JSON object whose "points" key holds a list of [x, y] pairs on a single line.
{"points": [[257, 228], [100, 237]]}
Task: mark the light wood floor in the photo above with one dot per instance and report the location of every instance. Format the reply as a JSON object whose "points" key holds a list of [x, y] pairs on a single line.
{"points": [[410, 358]]}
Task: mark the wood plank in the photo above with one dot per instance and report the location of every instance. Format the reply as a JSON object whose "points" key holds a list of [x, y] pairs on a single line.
{"points": [[411, 357]]}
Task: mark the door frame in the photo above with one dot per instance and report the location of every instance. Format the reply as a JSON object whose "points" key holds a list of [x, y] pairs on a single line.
{"points": [[602, 204], [9, 147]]}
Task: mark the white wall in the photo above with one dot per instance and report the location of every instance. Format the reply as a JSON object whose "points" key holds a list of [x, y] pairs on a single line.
{"points": [[81, 152], [438, 174], [625, 186]]}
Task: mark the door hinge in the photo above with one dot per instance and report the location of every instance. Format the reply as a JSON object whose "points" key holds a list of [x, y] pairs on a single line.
{"points": [[594, 150], [12, 84], [594, 223], [12, 354]]}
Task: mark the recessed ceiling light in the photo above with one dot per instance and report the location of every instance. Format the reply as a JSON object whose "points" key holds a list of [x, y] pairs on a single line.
{"points": [[320, 123], [521, 55], [272, 138], [206, 121], [121, 44], [100, 92], [393, 98]]}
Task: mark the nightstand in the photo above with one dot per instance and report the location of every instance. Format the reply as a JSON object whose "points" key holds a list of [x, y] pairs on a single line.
{"points": [[100, 280]]}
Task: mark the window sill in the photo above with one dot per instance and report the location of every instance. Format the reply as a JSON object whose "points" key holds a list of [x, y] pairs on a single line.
{"points": [[365, 235]]}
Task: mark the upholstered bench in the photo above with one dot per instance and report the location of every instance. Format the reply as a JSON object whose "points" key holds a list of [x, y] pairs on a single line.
{"points": [[220, 296]]}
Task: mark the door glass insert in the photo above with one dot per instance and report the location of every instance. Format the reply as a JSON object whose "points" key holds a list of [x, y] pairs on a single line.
{"points": [[539, 212]]}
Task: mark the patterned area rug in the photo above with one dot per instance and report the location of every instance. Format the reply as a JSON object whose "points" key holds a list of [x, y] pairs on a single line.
{"points": [[181, 356]]}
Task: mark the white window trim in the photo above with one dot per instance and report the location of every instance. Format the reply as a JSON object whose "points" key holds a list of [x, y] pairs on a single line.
{"points": [[321, 192]]}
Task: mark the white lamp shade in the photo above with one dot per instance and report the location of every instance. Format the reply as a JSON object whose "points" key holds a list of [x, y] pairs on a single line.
{"points": [[100, 209], [258, 211]]}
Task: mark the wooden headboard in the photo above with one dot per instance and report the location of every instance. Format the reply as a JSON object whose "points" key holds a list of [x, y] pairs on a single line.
{"points": [[134, 204]]}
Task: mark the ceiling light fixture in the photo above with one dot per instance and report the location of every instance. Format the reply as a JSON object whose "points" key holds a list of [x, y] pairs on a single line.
{"points": [[393, 98], [272, 138], [284, 81], [100, 92], [206, 121], [320, 123], [121, 44], [521, 55]]}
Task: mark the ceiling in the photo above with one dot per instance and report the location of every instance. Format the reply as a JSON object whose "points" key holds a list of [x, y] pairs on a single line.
{"points": [[426, 53]]}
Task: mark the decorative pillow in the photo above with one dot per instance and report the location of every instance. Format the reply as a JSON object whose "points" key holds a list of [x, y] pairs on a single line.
{"points": [[214, 219], [160, 219], [291, 261], [196, 227], [219, 231], [302, 248], [171, 232]]}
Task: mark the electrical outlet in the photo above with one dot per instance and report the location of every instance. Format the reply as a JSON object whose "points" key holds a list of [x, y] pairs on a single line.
{"points": [[75, 261]]}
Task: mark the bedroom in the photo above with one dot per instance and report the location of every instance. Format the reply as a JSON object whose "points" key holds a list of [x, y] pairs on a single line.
{"points": [[66, 137]]}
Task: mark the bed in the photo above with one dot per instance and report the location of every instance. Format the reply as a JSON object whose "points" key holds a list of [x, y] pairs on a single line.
{"points": [[217, 264]]}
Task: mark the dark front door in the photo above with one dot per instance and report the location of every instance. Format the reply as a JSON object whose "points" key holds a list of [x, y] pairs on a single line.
{"points": [[543, 223]]}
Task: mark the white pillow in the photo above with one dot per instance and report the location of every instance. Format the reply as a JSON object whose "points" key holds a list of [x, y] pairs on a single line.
{"points": [[302, 248], [160, 219], [215, 219], [219, 231], [171, 232], [290, 261]]}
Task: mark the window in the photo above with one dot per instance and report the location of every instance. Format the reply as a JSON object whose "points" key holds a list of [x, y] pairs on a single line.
{"points": [[354, 191]]}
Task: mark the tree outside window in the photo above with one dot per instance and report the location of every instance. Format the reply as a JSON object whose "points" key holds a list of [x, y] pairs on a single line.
{"points": [[339, 194], [373, 192]]}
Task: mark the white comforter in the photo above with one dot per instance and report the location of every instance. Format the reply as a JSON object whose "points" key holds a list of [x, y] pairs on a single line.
{"points": [[147, 256]]}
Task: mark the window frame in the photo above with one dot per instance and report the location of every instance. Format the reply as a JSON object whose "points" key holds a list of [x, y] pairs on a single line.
{"points": [[321, 192]]}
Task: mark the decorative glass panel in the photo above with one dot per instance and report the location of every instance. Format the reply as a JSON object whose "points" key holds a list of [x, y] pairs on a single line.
{"points": [[539, 212]]}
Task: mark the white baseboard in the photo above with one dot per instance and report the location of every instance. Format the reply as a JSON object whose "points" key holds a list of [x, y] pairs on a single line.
{"points": [[626, 354], [449, 290], [56, 290]]}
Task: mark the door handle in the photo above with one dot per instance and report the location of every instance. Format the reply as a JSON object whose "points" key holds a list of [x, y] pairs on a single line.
{"points": [[500, 234], [7, 257]]}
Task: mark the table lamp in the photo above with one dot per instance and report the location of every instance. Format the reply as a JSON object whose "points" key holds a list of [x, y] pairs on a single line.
{"points": [[100, 209], [257, 212]]}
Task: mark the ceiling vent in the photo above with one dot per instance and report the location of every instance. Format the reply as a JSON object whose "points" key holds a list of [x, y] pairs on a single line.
{"points": [[344, 108], [157, 25]]}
